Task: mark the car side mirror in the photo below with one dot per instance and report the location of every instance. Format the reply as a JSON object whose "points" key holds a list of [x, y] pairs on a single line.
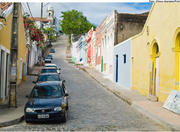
{"points": [[34, 82], [66, 94]]}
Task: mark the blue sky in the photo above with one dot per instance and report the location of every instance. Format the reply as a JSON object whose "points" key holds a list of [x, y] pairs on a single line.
{"points": [[95, 12]]}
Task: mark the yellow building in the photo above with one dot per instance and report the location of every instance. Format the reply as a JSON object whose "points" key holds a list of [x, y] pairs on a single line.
{"points": [[156, 52], [5, 44]]}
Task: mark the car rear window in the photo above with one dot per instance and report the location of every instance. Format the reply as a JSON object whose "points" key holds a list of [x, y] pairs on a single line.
{"points": [[49, 78], [48, 70], [47, 91]]}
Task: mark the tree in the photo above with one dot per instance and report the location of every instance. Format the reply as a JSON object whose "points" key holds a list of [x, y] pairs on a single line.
{"points": [[50, 32], [74, 22]]}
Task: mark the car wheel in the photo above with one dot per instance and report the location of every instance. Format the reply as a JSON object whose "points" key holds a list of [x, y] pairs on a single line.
{"points": [[67, 107], [27, 121], [64, 119]]}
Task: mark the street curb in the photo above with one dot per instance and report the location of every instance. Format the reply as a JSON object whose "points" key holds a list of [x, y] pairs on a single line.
{"points": [[12, 122], [164, 124]]}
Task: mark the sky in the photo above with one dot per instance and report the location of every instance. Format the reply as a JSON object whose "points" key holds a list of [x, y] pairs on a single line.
{"points": [[95, 12]]}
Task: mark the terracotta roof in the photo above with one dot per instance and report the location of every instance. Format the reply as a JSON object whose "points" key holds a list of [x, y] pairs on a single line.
{"points": [[38, 19], [5, 5]]}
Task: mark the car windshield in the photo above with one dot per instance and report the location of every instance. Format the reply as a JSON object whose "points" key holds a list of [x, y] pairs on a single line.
{"points": [[51, 66], [47, 91], [49, 56], [48, 70], [43, 78]]}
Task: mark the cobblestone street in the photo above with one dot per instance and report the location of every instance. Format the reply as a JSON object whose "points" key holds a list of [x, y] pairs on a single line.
{"points": [[91, 107]]}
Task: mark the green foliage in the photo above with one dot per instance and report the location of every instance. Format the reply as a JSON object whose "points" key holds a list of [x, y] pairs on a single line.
{"points": [[74, 22], [50, 32]]}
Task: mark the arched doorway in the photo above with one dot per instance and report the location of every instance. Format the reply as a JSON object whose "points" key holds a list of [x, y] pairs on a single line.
{"points": [[177, 64], [154, 83]]}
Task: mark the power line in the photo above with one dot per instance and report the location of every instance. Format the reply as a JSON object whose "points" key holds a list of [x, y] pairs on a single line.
{"points": [[30, 11], [24, 6]]}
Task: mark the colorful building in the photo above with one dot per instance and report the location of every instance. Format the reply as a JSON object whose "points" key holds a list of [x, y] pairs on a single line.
{"points": [[156, 53], [90, 33], [99, 60], [93, 51], [122, 64], [5, 45]]}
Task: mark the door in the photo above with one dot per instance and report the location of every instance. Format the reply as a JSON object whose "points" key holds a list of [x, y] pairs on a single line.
{"points": [[157, 76], [102, 64], [116, 68], [2, 73]]}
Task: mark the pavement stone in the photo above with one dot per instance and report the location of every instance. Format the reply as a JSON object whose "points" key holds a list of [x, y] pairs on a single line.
{"points": [[153, 110], [10, 115]]}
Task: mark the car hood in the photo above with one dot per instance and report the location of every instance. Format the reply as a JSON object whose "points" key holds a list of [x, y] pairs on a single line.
{"points": [[40, 102]]}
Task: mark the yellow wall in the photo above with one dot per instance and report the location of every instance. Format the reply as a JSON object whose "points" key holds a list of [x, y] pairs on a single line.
{"points": [[163, 23], [21, 43], [5, 36]]}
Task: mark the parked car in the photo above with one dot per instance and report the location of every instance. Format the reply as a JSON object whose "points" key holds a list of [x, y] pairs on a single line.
{"points": [[47, 60], [49, 56], [48, 101], [52, 50], [48, 77], [50, 65], [50, 70], [53, 65]]}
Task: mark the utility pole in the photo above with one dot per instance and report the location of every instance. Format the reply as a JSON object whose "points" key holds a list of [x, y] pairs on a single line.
{"points": [[41, 29], [41, 26], [14, 56]]}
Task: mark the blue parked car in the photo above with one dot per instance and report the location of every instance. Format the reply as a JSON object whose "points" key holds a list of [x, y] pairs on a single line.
{"points": [[47, 102]]}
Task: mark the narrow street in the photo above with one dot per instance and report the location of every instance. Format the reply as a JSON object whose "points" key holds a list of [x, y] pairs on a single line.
{"points": [[91, 107]]}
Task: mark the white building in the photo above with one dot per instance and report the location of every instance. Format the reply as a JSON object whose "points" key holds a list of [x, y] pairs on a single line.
{"points": [[122, 64], [108, 45]]}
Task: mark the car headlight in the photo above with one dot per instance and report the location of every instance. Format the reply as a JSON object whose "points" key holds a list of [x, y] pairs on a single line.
{"points": [[29, 110], [57, 109]]}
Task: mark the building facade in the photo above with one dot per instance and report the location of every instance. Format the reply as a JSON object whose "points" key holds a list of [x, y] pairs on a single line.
{"points": [[122, 64], [155, 52], [5, 45]]}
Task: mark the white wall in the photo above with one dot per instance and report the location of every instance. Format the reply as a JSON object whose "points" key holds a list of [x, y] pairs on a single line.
{"points": [[124, 69], [33, 55], [4, 71]]}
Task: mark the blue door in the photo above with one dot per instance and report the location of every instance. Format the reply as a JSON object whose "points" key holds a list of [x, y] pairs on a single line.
{"points": [[116, 68]]}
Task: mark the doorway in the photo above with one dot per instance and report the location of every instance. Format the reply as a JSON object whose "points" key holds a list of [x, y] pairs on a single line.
{"points": [[177, 62], [154, 87], [116, 68]]}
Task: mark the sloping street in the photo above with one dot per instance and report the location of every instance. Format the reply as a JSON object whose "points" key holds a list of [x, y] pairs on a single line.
{"points": [[91, 107]]}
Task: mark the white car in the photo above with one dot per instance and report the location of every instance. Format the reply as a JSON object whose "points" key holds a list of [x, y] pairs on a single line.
{"points": [[53, 65]]}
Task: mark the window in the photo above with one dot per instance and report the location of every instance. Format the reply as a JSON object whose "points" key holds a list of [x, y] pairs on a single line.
{"points": [[124, 56]]}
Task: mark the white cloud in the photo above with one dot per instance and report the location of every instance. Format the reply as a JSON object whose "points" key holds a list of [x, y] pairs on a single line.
{"points": [[95, 12]]}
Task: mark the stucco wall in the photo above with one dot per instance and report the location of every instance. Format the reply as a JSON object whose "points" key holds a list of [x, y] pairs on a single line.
{"points": [[161, 27], [128, 25], [124, 69], [22, 50], [5, 36]]}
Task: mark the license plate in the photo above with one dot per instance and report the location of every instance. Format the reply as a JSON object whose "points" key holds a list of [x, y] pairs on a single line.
{"points": [[42, 116]]}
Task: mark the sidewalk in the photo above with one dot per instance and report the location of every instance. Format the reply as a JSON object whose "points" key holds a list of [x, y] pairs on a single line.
{"points": [[11, 116], [153, 110]]}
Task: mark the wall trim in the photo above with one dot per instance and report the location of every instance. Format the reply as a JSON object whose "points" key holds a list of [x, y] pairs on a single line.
{"points": [[5, 49]]}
